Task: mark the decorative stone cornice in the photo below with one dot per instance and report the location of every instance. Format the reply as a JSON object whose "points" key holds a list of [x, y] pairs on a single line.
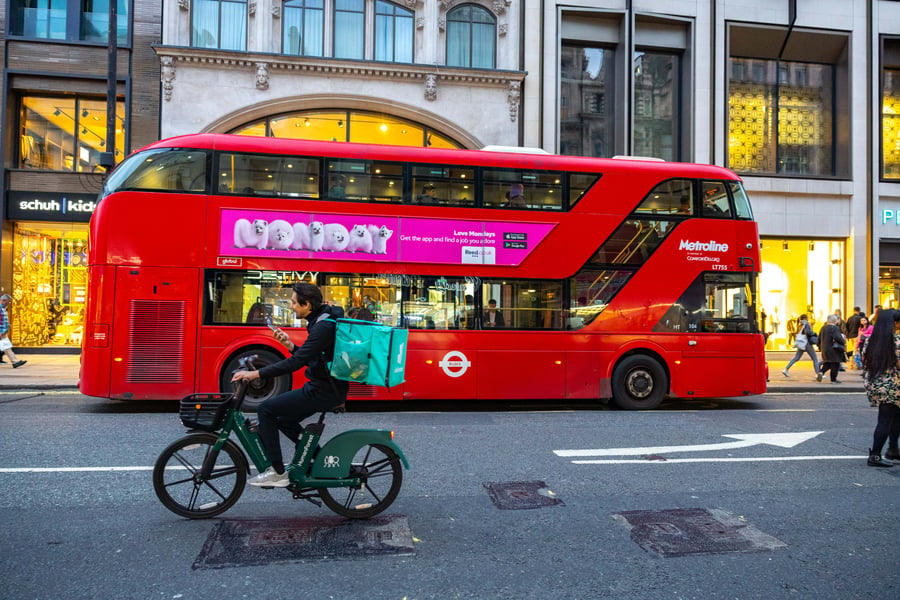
{"points": [[259, 67]]}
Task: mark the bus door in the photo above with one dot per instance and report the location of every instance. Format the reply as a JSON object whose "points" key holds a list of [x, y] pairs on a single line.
{"points": [[154, 332]]}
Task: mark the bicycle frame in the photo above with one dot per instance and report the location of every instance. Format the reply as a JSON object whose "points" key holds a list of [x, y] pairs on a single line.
{"points": [[311, 466]]}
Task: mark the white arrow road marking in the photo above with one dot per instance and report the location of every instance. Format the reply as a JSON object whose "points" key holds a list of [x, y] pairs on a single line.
{"points": [[745, 440], [669, 461]]}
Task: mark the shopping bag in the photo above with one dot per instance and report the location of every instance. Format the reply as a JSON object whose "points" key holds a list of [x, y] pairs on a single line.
{"points": [[5, 344], [800, 341]]}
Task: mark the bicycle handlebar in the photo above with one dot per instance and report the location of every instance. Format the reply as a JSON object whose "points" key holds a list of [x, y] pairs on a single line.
{"points": [[245, 363]]}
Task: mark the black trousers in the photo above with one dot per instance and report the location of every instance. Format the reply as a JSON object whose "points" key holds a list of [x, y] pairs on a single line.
{"points": [[888, 427], [285, 411]]}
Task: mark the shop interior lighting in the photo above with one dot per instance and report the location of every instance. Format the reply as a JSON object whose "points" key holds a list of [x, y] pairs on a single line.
{"points": [[784, 246]]}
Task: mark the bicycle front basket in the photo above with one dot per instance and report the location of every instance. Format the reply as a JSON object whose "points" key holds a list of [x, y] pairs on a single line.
{"points": [[204, 411]]}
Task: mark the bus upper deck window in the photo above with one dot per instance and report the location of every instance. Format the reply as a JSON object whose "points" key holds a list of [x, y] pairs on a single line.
{"points": [[672, 197]]}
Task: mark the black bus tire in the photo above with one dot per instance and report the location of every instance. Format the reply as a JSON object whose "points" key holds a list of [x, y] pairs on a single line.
{"points": [[639, 382], [259, 389]]}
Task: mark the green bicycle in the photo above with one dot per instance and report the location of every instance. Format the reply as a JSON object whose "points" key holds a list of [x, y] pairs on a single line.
{"points": [[357, 473]]}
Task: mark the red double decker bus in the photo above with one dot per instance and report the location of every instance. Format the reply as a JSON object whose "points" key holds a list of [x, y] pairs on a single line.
{"points": [[518, 275]]}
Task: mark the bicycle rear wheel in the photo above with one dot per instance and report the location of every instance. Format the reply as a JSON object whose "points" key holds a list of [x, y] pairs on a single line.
{"points": [[381, 475], [181, 489]]}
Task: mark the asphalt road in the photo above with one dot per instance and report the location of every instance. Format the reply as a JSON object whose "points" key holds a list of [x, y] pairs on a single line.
{"points": [[682, 503]]}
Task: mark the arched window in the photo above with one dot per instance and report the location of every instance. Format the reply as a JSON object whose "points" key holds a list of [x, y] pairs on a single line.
{"points": [[471, 37], [303, 27], [219, 24], [393, 32]]}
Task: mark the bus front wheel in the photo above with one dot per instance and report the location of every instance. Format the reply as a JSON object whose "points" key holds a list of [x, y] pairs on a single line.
{"points": [[638, 383], [259, 389]]}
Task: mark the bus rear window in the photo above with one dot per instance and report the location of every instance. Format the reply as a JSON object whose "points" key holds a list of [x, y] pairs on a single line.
{"points": [[171, 170]]}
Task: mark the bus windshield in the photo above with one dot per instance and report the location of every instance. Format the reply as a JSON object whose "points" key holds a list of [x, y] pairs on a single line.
{"points": [[167, 169]]}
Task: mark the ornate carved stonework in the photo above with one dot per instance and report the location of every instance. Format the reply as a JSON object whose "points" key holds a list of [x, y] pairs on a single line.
{"points": [[167, 75], [431, 87], [420, 22], [262, 76], [184, 4], [512, 99], [410, 3], [503, 29], [276, 9], [499, 6], [442, 23], [251, 8]]}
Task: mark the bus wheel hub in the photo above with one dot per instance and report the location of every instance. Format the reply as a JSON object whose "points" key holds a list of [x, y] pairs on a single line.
{"points": [[639, 384]]}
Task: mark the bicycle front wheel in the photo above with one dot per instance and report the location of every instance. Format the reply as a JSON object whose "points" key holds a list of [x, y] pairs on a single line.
{"points": [[381, 475], [182, 489]]}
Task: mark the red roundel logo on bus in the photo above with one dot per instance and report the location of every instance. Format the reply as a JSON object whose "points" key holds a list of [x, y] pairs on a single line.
{"points": [[455, 364]]}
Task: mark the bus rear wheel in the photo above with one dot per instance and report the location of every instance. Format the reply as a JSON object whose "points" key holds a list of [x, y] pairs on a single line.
{"points": [[259, 389], [639, 383]]}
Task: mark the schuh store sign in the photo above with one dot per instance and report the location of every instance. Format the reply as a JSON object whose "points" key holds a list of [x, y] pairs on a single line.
{"points": [[50, 206]]}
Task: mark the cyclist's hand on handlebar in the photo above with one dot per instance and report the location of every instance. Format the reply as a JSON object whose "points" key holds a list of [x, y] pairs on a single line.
{"points": [[244, 376]]}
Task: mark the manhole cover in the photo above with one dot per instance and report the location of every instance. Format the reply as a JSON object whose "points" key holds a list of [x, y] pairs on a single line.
{"points": [[684, 531], [246, 542], [518, 495]]}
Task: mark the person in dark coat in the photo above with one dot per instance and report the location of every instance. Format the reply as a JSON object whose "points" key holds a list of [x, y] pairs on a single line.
{"points": [[321, 392], [833, 346]]}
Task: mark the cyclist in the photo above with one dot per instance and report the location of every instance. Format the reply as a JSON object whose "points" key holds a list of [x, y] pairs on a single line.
{"points": [[285, 411]]}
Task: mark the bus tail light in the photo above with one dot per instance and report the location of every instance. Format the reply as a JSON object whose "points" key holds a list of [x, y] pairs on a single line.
{"points": [[99, 335]]}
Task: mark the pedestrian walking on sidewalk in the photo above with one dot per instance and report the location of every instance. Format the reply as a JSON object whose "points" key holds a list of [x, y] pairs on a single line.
{"points": [[881, 374], [5, 343], [833, 346], [803, 342]]}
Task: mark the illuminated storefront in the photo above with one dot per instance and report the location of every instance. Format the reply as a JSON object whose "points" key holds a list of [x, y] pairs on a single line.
{"points": [[49, 267], [799, 277]]}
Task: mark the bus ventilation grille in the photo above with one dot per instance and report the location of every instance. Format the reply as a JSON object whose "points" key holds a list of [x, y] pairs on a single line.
{"points": [[361, 390], [156, 343]]}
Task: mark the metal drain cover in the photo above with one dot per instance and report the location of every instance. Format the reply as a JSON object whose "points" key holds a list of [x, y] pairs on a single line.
{"points": [[518, 495], [246, 542], [685, 531]]}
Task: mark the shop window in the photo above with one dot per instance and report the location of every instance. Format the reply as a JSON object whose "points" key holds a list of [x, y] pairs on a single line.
{"points": [[219, 24], [587, 87], [656, 104], [65, 133], [471, 37], [799, 276], [890, 124], [303, 22], [347, 126], [49, 285], [783, 126]]}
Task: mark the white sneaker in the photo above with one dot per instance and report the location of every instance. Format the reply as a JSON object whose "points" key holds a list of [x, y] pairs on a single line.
{"points": [[785, 373], [269, 478]]}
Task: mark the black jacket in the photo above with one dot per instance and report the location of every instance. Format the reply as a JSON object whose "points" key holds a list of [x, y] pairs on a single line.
{"points": [[827, 336], [319, 342]]}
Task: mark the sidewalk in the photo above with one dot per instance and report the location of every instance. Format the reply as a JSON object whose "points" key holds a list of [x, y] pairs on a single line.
{"points": [[42, 372], [60, 371]]}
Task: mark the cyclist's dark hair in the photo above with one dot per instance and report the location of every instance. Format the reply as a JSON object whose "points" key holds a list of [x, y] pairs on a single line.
{"points": [[880, 356], [307, 292]]}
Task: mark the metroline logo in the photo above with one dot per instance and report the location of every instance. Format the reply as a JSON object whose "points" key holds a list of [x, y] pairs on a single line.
{"points": [[710, 246]]}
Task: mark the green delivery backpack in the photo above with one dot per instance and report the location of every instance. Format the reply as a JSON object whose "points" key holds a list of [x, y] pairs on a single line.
{"points": [[370, 353]]}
